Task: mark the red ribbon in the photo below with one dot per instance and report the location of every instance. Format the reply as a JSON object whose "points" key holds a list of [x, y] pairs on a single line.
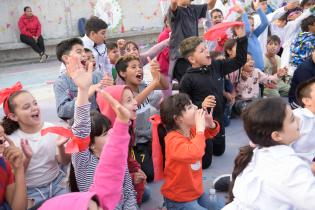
{"points": [[5, 95], [157, 156], [75, 144]]}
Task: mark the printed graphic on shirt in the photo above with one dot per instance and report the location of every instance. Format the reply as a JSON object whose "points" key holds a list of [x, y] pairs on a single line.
{"points": [[196, 166]]}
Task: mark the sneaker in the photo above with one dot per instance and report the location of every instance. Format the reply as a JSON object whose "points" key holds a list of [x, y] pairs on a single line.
{"points": [[222, 183], [43, 58]]}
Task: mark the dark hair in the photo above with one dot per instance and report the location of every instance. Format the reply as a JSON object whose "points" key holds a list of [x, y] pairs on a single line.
{"points": [[228, 45], [215, 10], [87, 50], [94, 24], [305, 2], [309, 21], [111, 45], [189, 45], [100, 124], [304, 90], [26, 7], [260, 118], [215, 54], [273, 38], [123, 62], [133, 43], [9, 125], [172, 107], [64, 47]]}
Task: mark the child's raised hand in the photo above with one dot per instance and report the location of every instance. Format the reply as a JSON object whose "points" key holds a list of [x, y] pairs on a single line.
{"points": [[282, 72], [209, 102], [61, 140], [209, 119], [200, 120], [121, 43], [81, 77], [26, 149], [155, 70], [122, 113], [13, 154], [107, 80]]}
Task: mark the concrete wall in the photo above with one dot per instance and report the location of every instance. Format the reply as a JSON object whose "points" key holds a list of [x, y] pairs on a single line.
{"points": [[59, 17]]}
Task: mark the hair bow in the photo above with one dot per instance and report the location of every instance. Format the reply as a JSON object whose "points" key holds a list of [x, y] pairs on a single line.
{"points": [[5, 95]]}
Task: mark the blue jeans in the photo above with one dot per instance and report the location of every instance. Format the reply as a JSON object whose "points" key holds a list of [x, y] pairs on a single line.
{"points": [[38, 194], [202, 203]]}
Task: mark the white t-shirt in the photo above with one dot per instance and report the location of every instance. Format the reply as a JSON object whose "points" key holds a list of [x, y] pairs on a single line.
{"points": [[43, 167]]}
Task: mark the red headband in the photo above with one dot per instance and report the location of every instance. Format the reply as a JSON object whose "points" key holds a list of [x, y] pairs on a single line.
{"points": [[75, 144], [5, 95]]}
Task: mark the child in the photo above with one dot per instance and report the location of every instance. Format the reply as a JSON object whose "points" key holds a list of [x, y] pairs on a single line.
{"points": [[105, 193], [95, 35], [13, 189], [42, 154], [130, 70], [247, 90], [304, 146], [113, 55], [304, 72], [272, 63], [206, 78], [183, 18], [185, 144], [89, 57], [271, 175], [64, 88]]}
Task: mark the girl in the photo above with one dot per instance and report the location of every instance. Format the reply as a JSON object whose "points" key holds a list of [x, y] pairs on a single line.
{"points": [[105, 192], [13, 189], [42, 154], [271, 175], [184, 148]]}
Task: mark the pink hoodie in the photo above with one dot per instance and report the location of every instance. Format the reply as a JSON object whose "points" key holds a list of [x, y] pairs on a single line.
{"points": [[108, 178]]}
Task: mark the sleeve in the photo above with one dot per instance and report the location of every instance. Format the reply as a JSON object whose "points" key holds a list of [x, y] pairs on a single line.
{"points": [[276, 14], [110, 172], [23, 29], [209, 133], [153, 51], [39, 28], [265, 78], [65, 104], [263, 25], [247, 24], [82, 167], [294, 26], [200, 10], [230, 65], [82, 121], [186, 151]]}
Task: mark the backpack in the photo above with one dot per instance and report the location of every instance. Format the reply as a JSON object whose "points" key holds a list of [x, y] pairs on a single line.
{"points": [[301, 48]]}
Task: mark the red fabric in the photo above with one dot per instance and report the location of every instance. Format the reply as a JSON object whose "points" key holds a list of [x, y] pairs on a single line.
{"points": [[5, 94], [220, 42], [157, 156], [163, 57], [75, 144], [6, 178], [133, 167], [218, 30], [30, 26]]}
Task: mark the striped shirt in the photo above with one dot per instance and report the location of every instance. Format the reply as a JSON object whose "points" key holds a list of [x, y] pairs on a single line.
{"points": [[85, 162]]}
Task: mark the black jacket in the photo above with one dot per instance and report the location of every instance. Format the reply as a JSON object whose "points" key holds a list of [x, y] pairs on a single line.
{"points": [[201, 82]]}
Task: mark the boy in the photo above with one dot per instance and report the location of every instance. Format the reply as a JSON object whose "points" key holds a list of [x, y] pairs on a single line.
{"points": [[95, 36], [206, 78], [304, 72], [272, 64], [113, 55], [305, 145], [130, 70], [183, 19], [64, 88]]}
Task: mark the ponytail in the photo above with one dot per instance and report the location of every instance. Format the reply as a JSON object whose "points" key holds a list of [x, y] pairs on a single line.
{"points": [[241, 161], [9, 125]]}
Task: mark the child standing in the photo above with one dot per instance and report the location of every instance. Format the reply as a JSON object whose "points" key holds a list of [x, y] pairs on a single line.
{"points": [[113, 55], [206, 78], [271, 175], [185, 145]]}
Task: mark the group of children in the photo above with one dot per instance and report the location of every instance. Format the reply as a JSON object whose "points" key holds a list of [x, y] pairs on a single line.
{"points": [[109, 143]]}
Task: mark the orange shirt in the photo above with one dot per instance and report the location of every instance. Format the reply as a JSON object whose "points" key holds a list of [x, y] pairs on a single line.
{"points": [[183, 166]]}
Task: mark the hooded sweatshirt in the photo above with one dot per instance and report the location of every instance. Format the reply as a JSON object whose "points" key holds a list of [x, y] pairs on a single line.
{"points": [[106, 109], [30, 26]]}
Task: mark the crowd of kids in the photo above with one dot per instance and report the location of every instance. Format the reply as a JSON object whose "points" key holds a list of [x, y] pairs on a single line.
{"points": [[121, 132]]}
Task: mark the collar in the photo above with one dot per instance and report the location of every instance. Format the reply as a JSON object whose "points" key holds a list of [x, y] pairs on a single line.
{"points": [[307, 113], [87, 42]]}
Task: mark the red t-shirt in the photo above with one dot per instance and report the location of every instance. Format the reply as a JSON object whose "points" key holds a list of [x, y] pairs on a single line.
{"points": [[6, 178]]}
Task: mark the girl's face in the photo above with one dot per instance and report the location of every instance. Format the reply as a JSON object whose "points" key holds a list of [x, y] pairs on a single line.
{"points": [[232, 52], [94, 206], [129, 102], [131, 49], [26, 111], [291, 130], [133, 74], [100, 141], [309, 4], [187, 117], [249, 65], [272, 47]]}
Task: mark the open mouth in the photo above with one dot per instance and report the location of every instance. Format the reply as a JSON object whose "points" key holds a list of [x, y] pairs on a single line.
{"points": [[35, 116], [83, 62], [139, 76]]}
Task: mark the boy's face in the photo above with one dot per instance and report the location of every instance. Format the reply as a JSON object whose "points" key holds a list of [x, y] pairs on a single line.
{"points": [[309, 102], [309, 4], [134, 73], [311, 28], [249, 65], [99, 37], [90, 58], [113, 55], [252, 24], [264, 6], [272, 47], [201, 56], [77, 50], [216, 18]]}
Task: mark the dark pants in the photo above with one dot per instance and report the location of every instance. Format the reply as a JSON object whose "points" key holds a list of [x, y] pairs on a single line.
{"points": [[36, 46], [207, 157]]}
